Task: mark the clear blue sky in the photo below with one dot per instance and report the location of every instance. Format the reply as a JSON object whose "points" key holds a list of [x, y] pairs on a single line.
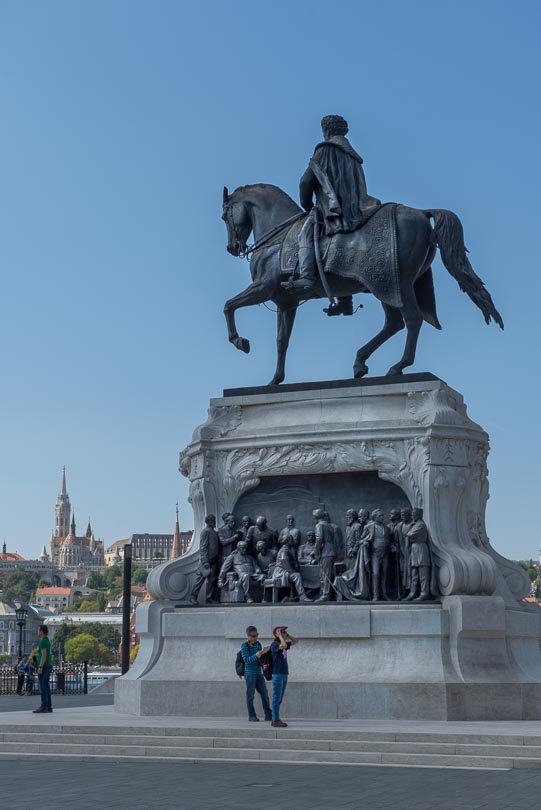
{"points": [[120, 124]]}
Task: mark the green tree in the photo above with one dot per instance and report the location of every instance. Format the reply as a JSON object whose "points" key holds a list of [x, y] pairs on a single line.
{"points": [[82, 647], [96, 581], [101, 601], [139, 575], [19, 585], [105, 634], [105, 656], [113, 573], [88, 606]]}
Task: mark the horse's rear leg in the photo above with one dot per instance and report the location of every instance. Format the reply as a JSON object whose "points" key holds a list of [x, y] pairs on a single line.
{"points": [[413, 319], [393, 324]]}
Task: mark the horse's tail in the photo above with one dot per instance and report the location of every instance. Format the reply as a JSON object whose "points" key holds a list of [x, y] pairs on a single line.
{"points": [[449, 237]]}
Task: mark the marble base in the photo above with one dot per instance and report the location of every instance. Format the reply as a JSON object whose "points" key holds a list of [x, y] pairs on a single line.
{"points": [[473, 656], [468, 658]]}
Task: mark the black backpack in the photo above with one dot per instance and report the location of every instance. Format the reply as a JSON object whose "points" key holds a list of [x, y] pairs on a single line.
{"points": [[239, 665], [266, 665]]}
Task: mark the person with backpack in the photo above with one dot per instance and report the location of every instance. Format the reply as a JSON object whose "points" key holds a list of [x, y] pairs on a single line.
{"points": [[280, 671], [249, 661]]}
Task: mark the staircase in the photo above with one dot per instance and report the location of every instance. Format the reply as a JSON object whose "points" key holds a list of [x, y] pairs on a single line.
{"points": [[261, 743]]}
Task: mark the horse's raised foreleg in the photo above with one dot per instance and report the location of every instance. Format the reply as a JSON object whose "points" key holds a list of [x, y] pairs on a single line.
{"points": [[393, 324], [413, 319], [256, 293], [285, 321]]}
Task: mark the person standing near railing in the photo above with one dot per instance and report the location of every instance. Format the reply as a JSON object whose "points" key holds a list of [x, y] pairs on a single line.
{"points": [[31, 668], [21, 674], [45, 665]]}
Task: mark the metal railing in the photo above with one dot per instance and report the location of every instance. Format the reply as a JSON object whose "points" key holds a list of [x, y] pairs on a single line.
{"points": [[70, 679]]}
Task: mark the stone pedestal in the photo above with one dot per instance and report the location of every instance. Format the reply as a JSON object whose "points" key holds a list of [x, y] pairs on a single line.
{"points": [[469, 658], [475, 655]]}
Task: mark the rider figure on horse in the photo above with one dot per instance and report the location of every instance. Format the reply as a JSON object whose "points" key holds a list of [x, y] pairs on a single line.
{"points": [[335, 176]]}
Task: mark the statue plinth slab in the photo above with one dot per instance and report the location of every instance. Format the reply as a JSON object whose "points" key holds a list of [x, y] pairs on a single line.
{"points": [[473, 654]]}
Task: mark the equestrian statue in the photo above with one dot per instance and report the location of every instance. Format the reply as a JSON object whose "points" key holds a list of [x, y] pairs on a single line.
{"points": [[346, 242]]}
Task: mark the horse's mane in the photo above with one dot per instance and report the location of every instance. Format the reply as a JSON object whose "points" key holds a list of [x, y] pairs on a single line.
{"points": [[281, 196]]}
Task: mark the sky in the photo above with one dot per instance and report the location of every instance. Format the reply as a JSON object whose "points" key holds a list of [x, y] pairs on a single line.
{"points": [[122, 121]]}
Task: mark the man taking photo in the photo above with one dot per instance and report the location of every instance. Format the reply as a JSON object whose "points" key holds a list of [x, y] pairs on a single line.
{"points": [[280, 671]]}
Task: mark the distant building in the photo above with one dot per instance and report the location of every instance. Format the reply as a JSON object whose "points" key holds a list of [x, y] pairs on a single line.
{"points": [[10, 632], [58, 598], [75, 555], [56, 621], [10, 556], [150, 550], [11, 561]]}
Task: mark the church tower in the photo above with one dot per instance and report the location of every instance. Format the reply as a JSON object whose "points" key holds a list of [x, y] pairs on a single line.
{"points": [[62, 512], [176, 550]]}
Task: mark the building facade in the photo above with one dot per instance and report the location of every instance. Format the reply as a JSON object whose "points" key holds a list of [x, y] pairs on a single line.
{"points": [[10, 633], [74, 555], [150, 550], [54, 598], [43, 567]]}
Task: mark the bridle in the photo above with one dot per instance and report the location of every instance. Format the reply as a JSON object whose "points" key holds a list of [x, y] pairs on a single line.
{"points": [[249, 249], [229, 213]]}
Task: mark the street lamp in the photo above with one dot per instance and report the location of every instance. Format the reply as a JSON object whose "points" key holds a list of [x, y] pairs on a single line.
{"points": [[21, 614], [126, 609]]}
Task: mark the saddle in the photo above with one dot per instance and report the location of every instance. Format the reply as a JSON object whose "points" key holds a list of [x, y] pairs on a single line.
{"points": [[367, 255]]}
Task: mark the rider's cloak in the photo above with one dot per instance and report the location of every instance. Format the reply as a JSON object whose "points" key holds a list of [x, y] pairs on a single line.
{"points": [[335, 175]]}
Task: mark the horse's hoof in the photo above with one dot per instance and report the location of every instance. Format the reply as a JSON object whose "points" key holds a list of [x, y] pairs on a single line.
{"points": [[360, 370], [243, 344], [277, 379], [394, 371]]}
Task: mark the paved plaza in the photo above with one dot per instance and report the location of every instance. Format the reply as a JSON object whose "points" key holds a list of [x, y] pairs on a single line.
{"points": [[12, 703], [231, 786]]}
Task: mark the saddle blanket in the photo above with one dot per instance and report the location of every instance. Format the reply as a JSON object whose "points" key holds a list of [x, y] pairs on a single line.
{"points": [[368, 255]]}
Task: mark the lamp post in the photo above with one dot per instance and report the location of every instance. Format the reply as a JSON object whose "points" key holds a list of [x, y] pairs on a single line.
{"points": [[126, 609], [21, 613]]}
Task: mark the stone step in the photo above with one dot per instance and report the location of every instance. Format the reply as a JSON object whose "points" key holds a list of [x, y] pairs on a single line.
{"points": [[255, 754], [490, 759], [38, 737], [265, 731]]}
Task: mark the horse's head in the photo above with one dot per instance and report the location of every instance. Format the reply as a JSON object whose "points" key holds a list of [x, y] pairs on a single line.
{"points": [[238, 222]]}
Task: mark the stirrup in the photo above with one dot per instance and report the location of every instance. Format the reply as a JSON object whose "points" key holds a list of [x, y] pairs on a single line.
{"points": [[339, 308]]}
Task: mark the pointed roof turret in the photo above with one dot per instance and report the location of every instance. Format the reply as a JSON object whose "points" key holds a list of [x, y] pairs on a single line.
{"points": [[72, 527], [89, 532], [175, 548], [4, 548]]}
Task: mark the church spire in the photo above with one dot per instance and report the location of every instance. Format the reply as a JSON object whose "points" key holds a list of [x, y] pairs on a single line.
{"points": [[72, 528], [175, 548], [62, 510], [89, 530]]}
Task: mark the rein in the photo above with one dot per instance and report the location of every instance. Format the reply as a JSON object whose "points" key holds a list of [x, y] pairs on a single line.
{"points": [[270, 234]]}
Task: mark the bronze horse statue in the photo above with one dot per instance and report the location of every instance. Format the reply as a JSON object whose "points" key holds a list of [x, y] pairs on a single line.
{"points": [[269, 213]]}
